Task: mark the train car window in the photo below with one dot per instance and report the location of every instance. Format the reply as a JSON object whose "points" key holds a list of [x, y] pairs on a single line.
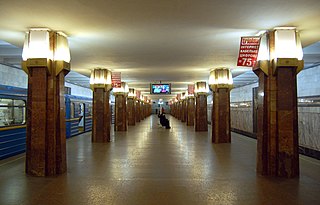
{"points": [[71, 110], [12, 112], [89, 109]]}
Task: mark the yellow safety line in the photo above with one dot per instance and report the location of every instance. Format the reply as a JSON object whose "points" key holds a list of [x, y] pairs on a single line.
{"points": [[73, 119], [13, 127]]}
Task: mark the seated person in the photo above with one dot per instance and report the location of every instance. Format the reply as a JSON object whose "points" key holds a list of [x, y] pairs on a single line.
{"points": [[164, 121]]}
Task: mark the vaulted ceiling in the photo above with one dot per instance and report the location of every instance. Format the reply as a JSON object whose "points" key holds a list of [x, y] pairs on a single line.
{"points": [[149, 41]]}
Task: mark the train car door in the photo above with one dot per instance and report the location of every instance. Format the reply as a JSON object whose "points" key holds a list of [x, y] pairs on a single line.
{"points": [[81, 115], [88, 117]]}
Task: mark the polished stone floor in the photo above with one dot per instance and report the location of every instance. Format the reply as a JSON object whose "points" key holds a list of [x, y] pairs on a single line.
{"points": [[152, 165]]}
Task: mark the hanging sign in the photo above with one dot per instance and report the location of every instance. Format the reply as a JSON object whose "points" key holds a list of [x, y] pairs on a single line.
{"points": [[248, 52], [178, 96], [116, 79], [190, 89], [138, 93]]}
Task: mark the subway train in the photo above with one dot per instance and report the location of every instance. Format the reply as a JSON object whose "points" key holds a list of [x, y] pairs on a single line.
{"points": [[13, 118]]}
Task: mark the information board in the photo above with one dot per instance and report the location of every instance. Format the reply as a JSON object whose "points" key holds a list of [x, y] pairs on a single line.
{"points": [[248, 52]]}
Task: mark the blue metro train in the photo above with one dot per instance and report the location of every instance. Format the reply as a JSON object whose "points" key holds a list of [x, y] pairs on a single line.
{"points": [[13, 119]]}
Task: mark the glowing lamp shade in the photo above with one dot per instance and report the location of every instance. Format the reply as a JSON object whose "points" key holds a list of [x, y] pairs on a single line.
{"points": [[100, 76], [220, 76], [138, 94], [186, 95], [43, 43], [61, 51], [287, 43], [37, 45], [201, 87], [124, 88], [131, 93]]}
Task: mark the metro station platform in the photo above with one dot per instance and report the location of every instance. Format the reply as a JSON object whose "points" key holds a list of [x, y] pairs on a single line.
{"points": [[152, 165]]}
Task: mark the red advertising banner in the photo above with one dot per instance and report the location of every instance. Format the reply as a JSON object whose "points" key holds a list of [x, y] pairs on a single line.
{"points": [[248, 52], [138, 93], [116, 79], [190, 89]]}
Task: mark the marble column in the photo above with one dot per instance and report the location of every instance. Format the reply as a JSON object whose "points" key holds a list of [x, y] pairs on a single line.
{"points": [[191, 111], [141, 110], [277, 127], [179, 110], [137, 106], [46, 131], [46, 128], [101, 118], [120, 112], [221, 132], [201, 119], [183, 110], [131, 111], [172, 110]]}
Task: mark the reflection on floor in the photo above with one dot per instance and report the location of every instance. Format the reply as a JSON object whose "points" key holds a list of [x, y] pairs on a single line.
{"points": [[152, 165]]}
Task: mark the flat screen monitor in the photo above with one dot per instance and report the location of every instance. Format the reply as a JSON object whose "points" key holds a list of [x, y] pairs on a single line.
{"points": [[160, 88]]}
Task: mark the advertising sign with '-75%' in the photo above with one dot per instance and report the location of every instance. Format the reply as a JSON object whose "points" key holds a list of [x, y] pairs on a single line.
{"points": [[248, 52]]}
